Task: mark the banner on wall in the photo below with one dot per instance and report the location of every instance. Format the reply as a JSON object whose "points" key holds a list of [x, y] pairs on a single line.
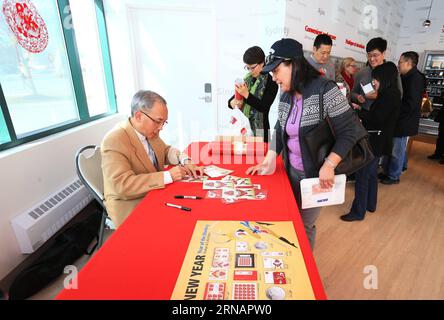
{"points": [[27, 25], [243, 260]]}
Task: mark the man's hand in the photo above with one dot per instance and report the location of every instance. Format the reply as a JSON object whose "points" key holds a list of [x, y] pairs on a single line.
{"points": [[177, 173], [192, 170], [356, 106], [360, 98]]}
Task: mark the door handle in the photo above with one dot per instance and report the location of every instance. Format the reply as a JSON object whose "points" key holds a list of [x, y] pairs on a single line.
{"points": [[208, 97]]}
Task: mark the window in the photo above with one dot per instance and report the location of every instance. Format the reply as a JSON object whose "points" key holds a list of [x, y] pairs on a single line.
{"points": [[67, 83], [88, 43], [4, 135], [37, 86]]}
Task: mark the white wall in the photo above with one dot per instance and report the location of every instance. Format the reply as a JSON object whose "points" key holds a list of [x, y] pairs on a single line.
{"points": [[239, 25], [33, 171], [349, 20], [413, 35]]}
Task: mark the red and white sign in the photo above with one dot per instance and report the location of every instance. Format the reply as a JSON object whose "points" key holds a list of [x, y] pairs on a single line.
{"points": [[318, 32], [354, 44], [26, 24]]}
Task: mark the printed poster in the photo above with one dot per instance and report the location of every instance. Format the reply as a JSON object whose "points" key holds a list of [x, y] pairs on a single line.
{"points": [[243, 260]]}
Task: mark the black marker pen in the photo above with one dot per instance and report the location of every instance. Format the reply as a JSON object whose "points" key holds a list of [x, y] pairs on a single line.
{"points": [[188, 197]]}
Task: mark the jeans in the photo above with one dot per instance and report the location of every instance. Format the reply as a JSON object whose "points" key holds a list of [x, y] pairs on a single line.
{"points": [[366, 190], [308, 216], [395, 162]]}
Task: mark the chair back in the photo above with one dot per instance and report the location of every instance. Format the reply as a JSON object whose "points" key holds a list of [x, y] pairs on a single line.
{"points": [[89, 170]]}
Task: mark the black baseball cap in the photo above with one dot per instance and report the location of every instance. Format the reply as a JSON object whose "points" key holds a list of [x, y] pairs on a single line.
{"points": [[284, 49]]}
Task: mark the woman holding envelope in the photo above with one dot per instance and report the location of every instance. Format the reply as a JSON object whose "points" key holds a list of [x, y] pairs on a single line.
{"points": [[299, 107]]}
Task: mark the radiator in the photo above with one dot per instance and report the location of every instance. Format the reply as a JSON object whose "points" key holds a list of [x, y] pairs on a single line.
{"points": [[36, 225]]}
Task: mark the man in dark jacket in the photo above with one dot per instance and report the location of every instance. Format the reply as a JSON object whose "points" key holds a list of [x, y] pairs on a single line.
{"points": [[413, 84], [439, 152]]}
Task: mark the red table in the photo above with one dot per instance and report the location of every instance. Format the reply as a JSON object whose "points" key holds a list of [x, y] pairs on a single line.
{"points": [[143, 258]]}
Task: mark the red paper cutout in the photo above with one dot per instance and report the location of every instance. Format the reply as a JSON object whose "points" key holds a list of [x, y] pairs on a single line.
{"points": [[26, 24]]}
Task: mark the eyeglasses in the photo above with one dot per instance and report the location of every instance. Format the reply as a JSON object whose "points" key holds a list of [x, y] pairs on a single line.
{"points": [[271, 58], [251, 68], [373, 55], [159, 123]]}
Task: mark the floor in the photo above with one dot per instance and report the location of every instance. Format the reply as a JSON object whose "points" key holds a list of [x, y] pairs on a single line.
{"points": [[403, 239], [396, 252]]}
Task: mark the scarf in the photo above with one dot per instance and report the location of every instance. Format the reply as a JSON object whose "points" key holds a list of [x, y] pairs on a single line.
{"points": [[349, 79], [256, 87]]}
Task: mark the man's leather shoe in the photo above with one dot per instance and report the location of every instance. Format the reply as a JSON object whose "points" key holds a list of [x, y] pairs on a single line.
{"points": [[389, 181], [434, 156], [382, 176]]}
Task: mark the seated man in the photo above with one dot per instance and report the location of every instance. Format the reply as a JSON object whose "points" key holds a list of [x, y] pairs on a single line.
{"points": [[133, 157]]}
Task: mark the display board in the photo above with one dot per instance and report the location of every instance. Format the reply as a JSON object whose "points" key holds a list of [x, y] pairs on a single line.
{"points": [[243, 260]]}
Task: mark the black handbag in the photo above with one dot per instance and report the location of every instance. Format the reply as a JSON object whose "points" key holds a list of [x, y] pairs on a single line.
{"points": [[320, 142]]}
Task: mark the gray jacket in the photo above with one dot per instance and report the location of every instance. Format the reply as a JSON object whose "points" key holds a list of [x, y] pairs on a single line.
{"points": [[335, 106], [328, 69]]}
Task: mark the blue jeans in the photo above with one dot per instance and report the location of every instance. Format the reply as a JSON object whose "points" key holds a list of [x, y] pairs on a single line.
{"points": [[366, 189], [395, 162]]}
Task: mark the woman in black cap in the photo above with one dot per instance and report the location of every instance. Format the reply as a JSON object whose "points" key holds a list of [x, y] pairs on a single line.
{"points": [[380, 121], [258, 92], [299, 107]]}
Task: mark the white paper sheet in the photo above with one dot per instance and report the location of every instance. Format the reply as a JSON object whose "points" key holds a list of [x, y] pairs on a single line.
{"points": [[313, 196]]}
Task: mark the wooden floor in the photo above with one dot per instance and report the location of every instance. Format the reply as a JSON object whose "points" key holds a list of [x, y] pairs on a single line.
{"points": [[403, 239]]}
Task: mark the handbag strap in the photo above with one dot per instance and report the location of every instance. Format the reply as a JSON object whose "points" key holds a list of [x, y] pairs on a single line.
{"points": [[321, 105]]}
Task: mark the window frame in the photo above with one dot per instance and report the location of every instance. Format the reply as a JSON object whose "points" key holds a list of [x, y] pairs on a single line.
{"points": [[77, 80]]}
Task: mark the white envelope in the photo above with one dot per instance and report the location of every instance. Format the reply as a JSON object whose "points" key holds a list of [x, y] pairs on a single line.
{"points": [[368, 88], [313, 196]]}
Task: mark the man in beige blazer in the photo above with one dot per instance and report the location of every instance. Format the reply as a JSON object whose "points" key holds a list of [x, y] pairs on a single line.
{"points": [[133, 157]]}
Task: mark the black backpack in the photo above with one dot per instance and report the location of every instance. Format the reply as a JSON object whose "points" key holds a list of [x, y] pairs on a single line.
{"points": [[67, 248]]}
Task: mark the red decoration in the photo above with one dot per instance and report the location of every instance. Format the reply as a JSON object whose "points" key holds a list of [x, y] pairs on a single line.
{"points": [[26, 24]]}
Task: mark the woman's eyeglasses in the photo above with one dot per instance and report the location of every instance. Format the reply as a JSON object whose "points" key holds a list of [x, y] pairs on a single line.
{"points": [[251, 68]]}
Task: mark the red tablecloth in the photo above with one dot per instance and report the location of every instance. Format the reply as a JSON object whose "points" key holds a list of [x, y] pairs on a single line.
{"points": [[143, 258]]}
